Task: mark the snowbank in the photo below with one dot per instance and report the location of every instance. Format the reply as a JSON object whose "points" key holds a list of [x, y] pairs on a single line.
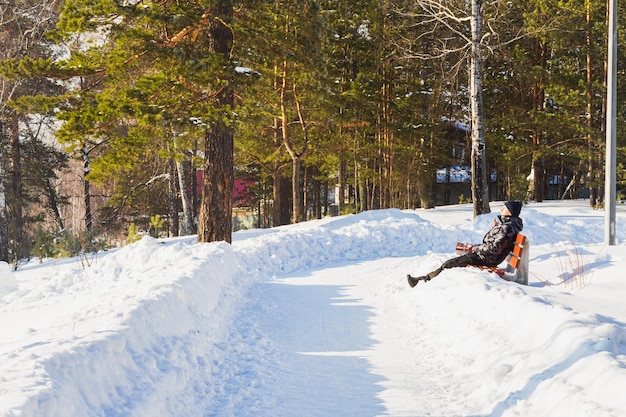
{"points": [[149, 330], [7, 279]]}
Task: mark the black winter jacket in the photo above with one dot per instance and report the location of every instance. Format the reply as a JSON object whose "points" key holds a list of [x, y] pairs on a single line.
{"points": [[499, 241]]}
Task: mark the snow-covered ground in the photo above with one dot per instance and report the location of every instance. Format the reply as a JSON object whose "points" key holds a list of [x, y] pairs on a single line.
{"points": [[317, 320]]}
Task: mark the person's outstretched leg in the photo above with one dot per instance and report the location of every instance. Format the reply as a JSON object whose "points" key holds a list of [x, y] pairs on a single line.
{"points": [[459, 261]]}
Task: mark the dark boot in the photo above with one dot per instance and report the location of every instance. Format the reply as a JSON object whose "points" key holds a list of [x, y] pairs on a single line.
{"points": [[414, 280]]}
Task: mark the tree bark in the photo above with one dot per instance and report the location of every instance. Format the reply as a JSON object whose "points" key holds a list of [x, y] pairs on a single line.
{"points": [[172, 199], [341, 181], [295, 161], [296, 157], [539, 97], [280, 214], [427, 175], [480, 186], [86, 188], [591, 169], [188, 227], [215, 219], [16, 214], [53, 202], [4, 222], [386, 177]]}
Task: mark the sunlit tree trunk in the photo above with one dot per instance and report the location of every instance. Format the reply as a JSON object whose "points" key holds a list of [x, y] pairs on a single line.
{"points": [[480, 186], [4, 222], [86, 188], [296, 155], [188, 227], [591, 169], [16, 206], [280, 213], [173, 198], [215, 218]]}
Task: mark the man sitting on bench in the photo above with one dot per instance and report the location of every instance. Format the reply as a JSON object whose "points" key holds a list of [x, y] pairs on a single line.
{"points": [[497, 244]]}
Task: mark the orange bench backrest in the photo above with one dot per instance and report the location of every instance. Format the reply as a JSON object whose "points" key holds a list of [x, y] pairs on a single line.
{"points": [[516, 257]]}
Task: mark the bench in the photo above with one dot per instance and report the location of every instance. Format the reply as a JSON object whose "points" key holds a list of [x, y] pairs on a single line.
{"points": [[516, 267]]}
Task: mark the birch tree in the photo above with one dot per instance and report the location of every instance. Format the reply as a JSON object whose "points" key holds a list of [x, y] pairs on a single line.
{"points": [[480, 186], [465, 42]]}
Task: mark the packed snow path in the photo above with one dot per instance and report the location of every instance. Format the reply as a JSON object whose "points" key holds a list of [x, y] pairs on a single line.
{"points": [[356, 340], [306, 345]]}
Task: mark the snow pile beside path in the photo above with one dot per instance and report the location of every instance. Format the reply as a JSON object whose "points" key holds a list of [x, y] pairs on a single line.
{"points": [[532, 355], [369, 235], [130, 336], [142, 331], [129, 329], [7, 279], [542, 228]]}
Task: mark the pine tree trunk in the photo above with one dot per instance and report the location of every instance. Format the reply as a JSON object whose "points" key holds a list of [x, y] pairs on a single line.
{"points": [[53, 203], [305, 193], [426, 174], [4, 234], [341, 183], [539, 97], [317, 199], [388, 141], [591, 171], [296, 157], [16, 215], [280, 214], [480, 186], [295, 190], [362, 189], [86, 188], [195, 200], [380, 163], [215, 218], [286, 140], [326, 195]]}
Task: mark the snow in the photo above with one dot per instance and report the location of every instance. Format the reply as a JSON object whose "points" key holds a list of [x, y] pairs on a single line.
{"points": [[316, 319], [7, 279]]}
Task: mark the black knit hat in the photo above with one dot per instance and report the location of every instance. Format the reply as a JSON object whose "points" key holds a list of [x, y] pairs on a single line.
{"points": [[514, 207]]}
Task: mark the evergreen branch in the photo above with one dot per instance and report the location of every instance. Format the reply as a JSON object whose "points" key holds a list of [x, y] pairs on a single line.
{"points": [[553, 145], [204, 22], [16, 69], [195, 30]]}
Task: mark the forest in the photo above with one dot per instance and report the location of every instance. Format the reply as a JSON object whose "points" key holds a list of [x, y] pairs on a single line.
{"points": [[120, 118]]}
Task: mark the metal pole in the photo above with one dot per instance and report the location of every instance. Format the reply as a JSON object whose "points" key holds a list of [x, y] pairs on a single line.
{"points": [[611, 119]]}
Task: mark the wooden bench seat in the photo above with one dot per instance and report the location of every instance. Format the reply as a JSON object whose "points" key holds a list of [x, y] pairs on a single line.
{"points": [[515, 268]]}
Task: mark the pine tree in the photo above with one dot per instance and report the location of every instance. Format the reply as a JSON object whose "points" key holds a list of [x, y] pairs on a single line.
{"points": [[154, 91], [22, 28], [215, 219], [542, 115], [283, 43]]}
